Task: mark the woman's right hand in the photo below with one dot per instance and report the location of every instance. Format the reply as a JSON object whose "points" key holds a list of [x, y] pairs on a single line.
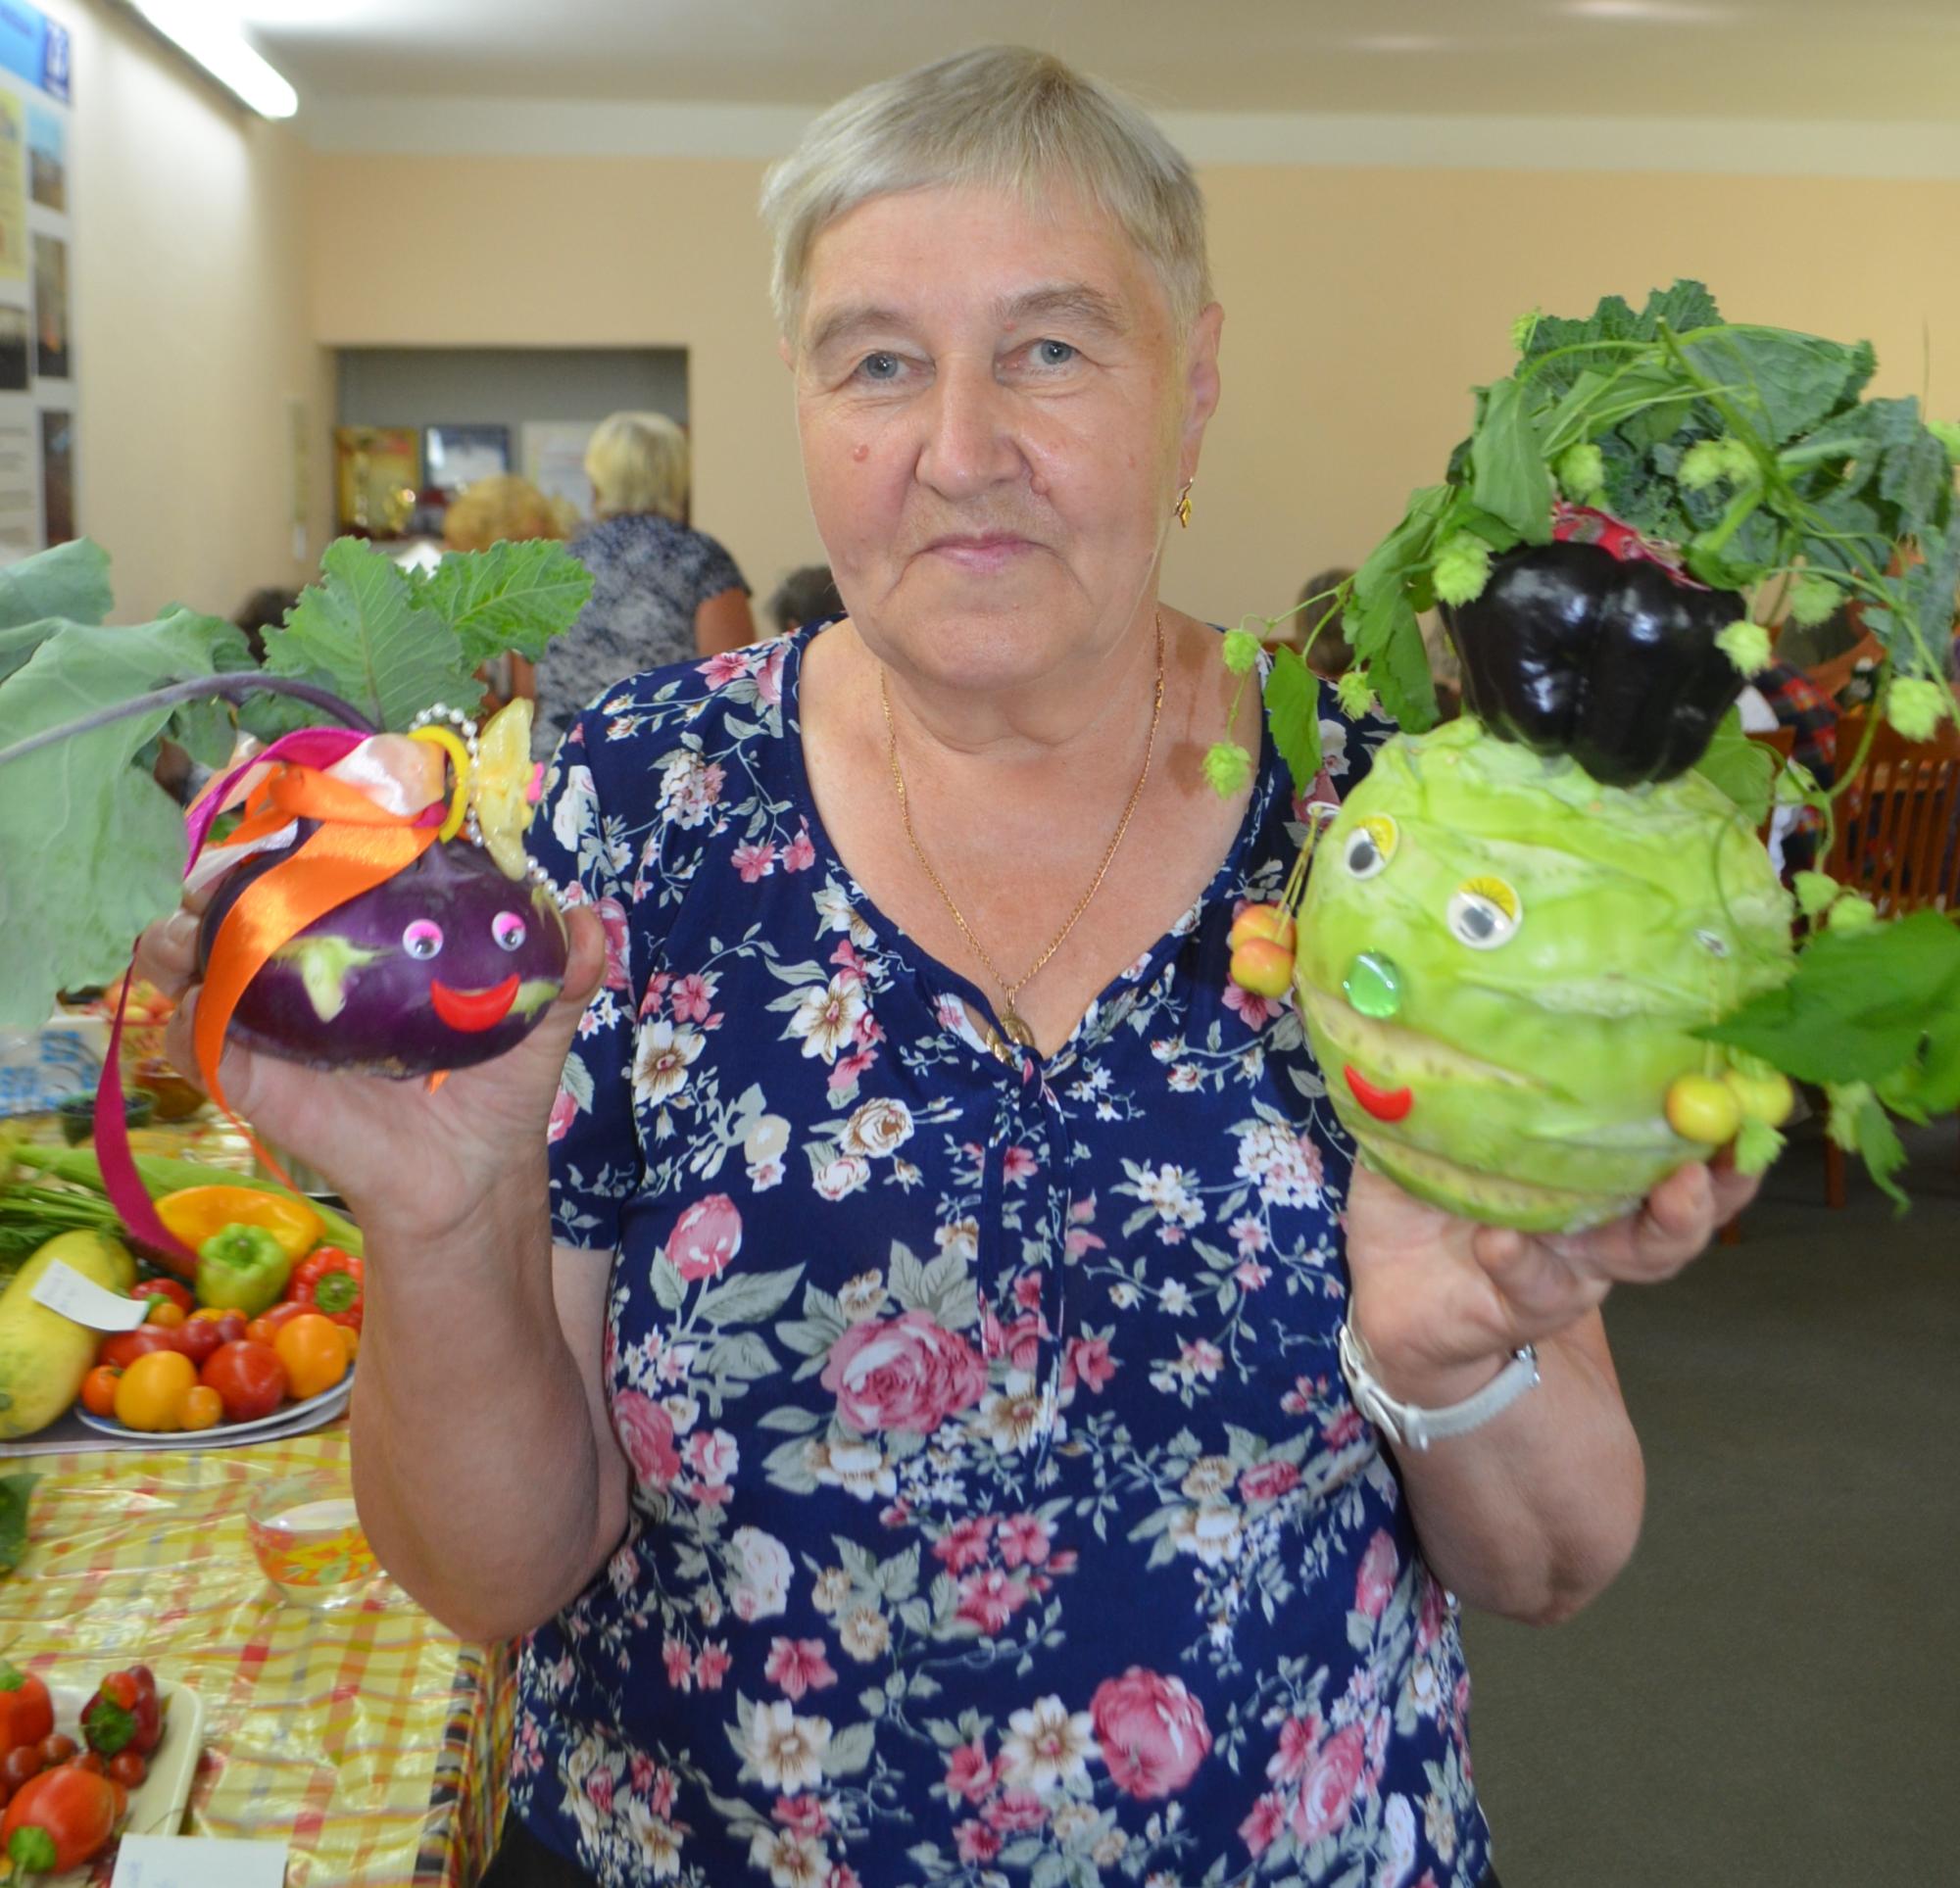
{"points": [[416, 1162]]}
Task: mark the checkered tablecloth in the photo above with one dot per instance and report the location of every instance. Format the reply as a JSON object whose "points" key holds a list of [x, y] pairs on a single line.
{"points": [[372, 1741]]}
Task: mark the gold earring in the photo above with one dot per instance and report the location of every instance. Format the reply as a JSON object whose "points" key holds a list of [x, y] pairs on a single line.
{"points": [[1184, 506]]}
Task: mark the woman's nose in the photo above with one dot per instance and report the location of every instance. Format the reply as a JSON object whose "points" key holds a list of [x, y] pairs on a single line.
{"points": [[969, 444]]}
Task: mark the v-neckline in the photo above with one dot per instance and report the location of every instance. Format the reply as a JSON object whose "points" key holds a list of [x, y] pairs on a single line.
{"points": [[939, 977]]}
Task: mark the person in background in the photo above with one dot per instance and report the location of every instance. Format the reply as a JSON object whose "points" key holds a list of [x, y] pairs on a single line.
{"points": [[805, 596], [662, 592], [1782, 696], [500, 510], [1318, 635]]}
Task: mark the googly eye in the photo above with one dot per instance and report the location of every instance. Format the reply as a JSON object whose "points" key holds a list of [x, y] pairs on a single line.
{"points": [[422, 939], [1484, 913], [1370, 847], [509, 929]]}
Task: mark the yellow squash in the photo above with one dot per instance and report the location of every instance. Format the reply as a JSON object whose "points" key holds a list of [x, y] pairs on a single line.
{"points": [[44, 1356]]}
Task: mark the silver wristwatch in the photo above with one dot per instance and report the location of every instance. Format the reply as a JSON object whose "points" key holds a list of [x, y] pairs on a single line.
{"points": [[1417, 1429]]}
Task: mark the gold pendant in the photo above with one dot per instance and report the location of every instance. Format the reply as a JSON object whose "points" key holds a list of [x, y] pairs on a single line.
{"points": [[1015, 1029]]}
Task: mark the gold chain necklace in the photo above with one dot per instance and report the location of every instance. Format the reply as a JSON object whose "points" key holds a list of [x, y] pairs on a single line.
{"points": [[1011, 1023]]}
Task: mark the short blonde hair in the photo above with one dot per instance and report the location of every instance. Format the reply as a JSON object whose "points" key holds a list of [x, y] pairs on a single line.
{"points": [[637, 462], [1001, 118], [492, 510]]}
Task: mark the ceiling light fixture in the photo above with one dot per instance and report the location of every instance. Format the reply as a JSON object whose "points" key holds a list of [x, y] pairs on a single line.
{"points": [[219, 48], [1670, 12]]}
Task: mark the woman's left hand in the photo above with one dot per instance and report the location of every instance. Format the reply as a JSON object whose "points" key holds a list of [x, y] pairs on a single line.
{"points": [[1442, 1301]]}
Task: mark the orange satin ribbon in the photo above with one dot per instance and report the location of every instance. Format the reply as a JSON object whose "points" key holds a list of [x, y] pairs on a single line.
{"points": [[358, 847]]}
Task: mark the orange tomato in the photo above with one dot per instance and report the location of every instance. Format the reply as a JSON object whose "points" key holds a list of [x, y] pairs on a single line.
{"points": [[98, 1390], [350, 1337], [314, 1353], [165, 1315], [150, 1395], [203, 1407]]}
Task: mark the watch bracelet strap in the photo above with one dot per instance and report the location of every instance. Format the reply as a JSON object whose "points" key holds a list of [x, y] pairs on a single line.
{"points": [[1405, 1422]]}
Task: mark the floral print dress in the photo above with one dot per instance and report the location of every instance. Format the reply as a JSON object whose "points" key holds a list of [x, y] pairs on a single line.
{"points": [[999, 1516]]}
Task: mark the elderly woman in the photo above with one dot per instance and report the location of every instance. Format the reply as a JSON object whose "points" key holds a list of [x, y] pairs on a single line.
{"points": [[903, 1410], [662, 592]]}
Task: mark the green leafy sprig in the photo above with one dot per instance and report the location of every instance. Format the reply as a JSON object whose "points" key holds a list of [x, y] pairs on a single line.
{"points": [[1755, 454]]}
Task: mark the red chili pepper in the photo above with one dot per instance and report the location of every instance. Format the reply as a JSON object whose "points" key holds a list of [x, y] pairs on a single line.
{"points": [[330, 1281], [26, 1712], [177, 1294]]}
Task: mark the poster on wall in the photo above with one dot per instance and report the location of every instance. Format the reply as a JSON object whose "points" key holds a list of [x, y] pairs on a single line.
{"points": [[39, 503]]}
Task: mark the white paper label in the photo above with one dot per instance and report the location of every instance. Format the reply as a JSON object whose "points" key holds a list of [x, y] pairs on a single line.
{"points": [[198, 1861], [60, 1287]]}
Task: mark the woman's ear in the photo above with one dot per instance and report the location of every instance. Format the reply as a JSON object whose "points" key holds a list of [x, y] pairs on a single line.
{"points": [[1200, 384]]}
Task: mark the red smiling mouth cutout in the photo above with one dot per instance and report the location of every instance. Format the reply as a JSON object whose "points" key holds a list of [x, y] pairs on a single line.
{"points": [[1385, 1104], [472, 1010]]}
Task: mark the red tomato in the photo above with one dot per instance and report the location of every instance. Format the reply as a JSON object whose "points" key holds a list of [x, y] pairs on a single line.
{"points": [[98, 1390], [126, 1346], [231, 1324], [128, 1769], [199, 1339], [249, 1377], [177, 1294], [21, 1765], [56, 1749]]}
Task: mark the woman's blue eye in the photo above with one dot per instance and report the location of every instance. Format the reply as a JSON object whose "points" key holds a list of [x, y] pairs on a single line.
{"points": [[879, 366], [1053, 353]]}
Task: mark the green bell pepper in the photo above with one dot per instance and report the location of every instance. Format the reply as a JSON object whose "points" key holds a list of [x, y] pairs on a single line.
{"points": [[242, 1268]]}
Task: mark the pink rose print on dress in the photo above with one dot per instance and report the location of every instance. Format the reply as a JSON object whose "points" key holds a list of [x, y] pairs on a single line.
{"points": [[1376, 1579], [796, 1665], [965, 1543], [1088, 1361], [1151, 1730], [646, 1432], [970, 1774], [990, 1599], [705, 1238], [904, 1372], [613, 915], [564, 1111], [1268, 1480], [1327, 1794]]}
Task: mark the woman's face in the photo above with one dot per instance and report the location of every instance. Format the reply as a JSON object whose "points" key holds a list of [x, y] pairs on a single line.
{"points": [[996, 422]]}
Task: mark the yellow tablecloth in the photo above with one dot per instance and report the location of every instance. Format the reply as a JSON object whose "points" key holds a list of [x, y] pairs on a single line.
{"points": [[372, 1741]]}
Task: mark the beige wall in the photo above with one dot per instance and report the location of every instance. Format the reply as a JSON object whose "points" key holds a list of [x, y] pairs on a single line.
{"points": [[1360, 305], [190, 334]]}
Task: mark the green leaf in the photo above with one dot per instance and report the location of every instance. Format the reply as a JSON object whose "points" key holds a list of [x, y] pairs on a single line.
{"points": [[1787, 381], [70, 581], [15, 1491], [1293, 712], [1684, 307], [1743, 769], [748, 1298], [1381, 620], [1509, 478], [510, 597], [91, 849], [358, 632], [848, 1751], [1860, 1005]]}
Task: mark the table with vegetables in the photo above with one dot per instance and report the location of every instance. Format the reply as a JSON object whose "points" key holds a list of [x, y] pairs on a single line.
{"points": [[151, 1680]]}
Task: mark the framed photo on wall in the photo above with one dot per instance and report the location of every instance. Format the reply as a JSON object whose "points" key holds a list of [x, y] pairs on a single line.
{"points": [[377, 472], [459, 455]]}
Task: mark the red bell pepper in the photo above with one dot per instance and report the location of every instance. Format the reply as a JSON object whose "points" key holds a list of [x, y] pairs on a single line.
{"points": [[124, 1715], [177, 1294], [330, 1281], [26, 1712], [60, 1820]]}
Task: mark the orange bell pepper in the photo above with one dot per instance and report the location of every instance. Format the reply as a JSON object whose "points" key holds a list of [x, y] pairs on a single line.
{"points": [[195, 1213]]}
